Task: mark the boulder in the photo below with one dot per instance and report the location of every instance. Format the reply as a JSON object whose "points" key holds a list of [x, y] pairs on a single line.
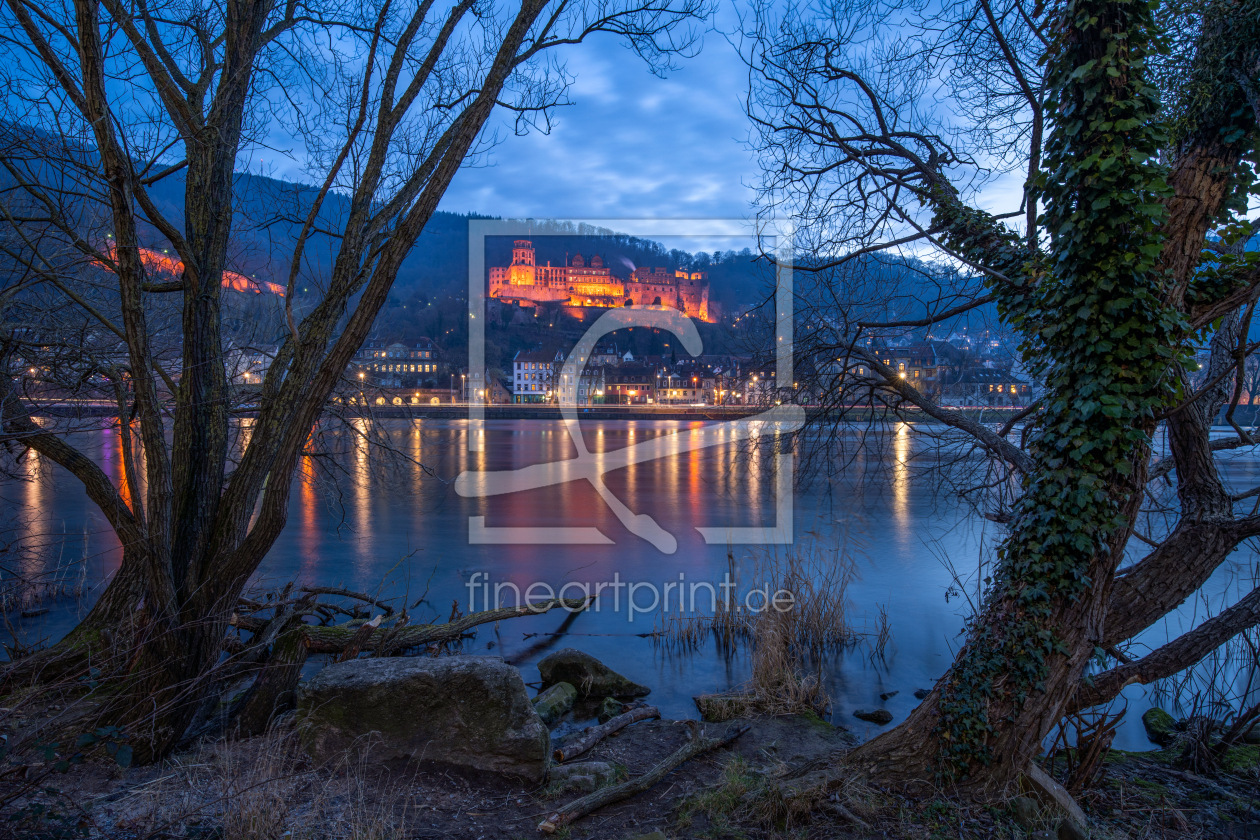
{"points": [[880, 716], [1069, 830], [609, 709], [888, 695], [587, 674], [921, 693], [1026, 810], [1160, 726], [467, 712], [554, 702], [582, 776], [1252, 736]]}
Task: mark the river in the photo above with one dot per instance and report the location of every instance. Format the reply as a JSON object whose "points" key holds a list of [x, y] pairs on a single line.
{"points": [[400, 527]]}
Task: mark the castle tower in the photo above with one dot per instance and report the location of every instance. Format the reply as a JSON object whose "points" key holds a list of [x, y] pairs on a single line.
{"points": [[522, 252], [521, 272]]}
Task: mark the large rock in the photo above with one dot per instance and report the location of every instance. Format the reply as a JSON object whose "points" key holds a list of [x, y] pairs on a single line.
{"points": [[582, 776], [1160, 726], [587, 674], [880, 716], [554, 702], [470, 712], [609, 709], [1253, 735]]}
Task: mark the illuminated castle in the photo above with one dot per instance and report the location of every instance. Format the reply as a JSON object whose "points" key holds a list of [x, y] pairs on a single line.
{"points": [[580, 284]]}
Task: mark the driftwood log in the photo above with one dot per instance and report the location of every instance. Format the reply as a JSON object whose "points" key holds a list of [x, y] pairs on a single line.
{"points": [[582, 741], [337, 639], [579, 808]]}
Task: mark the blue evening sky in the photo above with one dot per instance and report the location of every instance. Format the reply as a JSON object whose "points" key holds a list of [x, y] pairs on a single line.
{"points": [[631, 146]]}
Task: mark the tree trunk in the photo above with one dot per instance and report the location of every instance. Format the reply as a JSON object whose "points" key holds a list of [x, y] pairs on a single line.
{"points": [[1099, 332]]}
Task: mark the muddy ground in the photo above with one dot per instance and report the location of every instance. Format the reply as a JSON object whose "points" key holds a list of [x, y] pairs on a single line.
{"points": [[266, 788]]}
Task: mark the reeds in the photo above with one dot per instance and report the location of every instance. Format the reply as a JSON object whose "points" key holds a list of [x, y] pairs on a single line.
{"points": [[807, 582], [793, 613]]}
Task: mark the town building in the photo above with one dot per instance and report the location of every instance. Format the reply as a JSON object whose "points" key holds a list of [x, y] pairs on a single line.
{"points": [[630, 383], [396, 365], [592, 284], [484, 387], [985, 386], [533, 375]]}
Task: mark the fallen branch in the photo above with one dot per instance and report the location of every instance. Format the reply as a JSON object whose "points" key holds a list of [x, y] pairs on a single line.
{"points": [[579, 808], [582, 741], [347, 593], [336, 639]]}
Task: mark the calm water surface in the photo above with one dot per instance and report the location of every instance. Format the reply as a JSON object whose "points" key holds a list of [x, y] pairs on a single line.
{"points": [[404, 531]]}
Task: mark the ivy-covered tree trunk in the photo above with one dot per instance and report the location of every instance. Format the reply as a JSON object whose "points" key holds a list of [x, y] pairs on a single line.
{"points": [[1098, 329]]}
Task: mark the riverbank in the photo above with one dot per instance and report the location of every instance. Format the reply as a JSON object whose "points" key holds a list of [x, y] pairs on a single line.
{"points": [[265, 787]]}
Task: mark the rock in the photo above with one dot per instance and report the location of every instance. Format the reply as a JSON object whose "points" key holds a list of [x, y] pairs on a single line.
{"points": [[587, 674], [609, 709], [1027, 812], [554, 702], [582, 776], [1160, 726], [921, 693], [1252, 735], [469, 712], [1069, 830], [889, 695], [1053, 795], [880, 716]]}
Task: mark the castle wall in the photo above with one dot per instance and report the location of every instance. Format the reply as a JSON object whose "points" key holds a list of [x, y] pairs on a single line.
{"points": [[580, 284]]}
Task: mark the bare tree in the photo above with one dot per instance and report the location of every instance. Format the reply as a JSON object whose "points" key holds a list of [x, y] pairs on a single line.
{"points": [[879, 123], [113, 99]]}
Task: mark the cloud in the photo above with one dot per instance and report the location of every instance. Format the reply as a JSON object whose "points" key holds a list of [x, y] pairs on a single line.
{"points": [[631, 146]]}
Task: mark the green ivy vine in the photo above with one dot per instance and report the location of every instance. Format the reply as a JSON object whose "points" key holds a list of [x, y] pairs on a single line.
{"points": [[1096, 331]]}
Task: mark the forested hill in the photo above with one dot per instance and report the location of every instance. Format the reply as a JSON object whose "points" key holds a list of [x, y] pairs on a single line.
{"points": [[267, 225], [270, 214]]}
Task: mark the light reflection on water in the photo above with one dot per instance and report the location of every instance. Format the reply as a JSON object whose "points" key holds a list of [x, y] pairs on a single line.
{"points": [[405, 532]]}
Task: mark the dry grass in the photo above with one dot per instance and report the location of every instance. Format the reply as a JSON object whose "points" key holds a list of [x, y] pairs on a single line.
{"points": [[264, 789], [780, 684], [764, 798], [816, 583], [793, 630]]}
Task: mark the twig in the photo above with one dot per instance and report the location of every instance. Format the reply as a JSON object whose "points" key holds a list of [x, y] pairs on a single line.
{"points": [[346, 593], [335, 639], [579, 808], [843, 812], [587, 738]]}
